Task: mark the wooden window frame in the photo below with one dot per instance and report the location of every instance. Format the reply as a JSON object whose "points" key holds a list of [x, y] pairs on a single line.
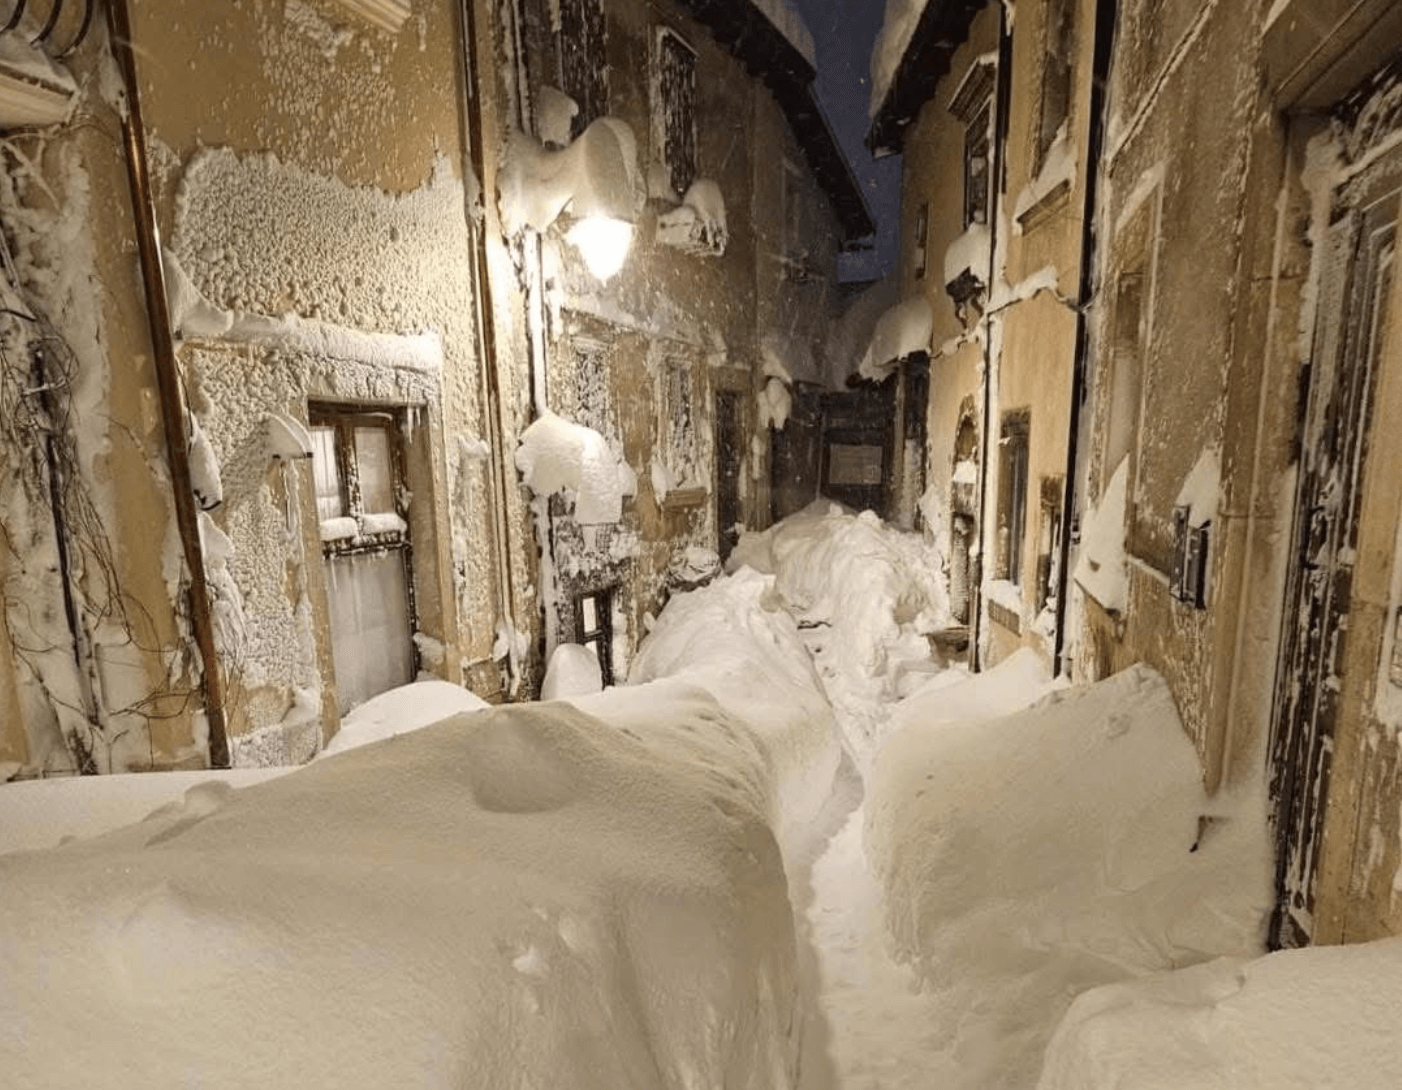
{"points": [[601, 634], [1013, 480], [677, 151]]}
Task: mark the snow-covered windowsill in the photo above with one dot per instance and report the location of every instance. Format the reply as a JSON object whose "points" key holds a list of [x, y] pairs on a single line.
{"points": [[386, 14]]}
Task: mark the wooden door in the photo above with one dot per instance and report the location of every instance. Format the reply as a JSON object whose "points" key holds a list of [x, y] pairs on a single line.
{"points": [[1355, 284], [729, 459]]}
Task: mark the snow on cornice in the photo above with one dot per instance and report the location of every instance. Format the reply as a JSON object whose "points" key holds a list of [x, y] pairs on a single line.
{"points": [[902, 17], [791, 25]]}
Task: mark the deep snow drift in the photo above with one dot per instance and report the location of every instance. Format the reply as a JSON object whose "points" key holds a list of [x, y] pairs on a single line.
{"points": [[866, 595], [1029, 858], [506, 898], [602, 891], [530, 895], [1324, 1018]]}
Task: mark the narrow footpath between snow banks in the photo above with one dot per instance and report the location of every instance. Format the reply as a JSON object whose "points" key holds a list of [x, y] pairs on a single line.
{"points": [[995, 844]]}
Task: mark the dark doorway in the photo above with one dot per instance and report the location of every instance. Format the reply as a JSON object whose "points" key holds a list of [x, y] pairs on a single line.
{"points": [[728, 462]]}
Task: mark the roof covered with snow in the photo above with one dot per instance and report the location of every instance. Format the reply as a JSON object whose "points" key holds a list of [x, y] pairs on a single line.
{"points": [[912, 55], [770, 41]]}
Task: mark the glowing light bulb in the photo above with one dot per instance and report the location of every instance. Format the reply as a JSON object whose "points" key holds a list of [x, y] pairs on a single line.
{"points": [[602, 242]]}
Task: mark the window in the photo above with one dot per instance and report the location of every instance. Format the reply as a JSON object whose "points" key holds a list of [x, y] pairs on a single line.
{"points": [[1012, 495], [358, 472], [593, 625], [976, 167], [592, 387], [1126, 348], [674, 109], [1188, 582], [583, 49], [1058, 50], [922, 232], [973, 105], [679, 424], [1049, 541]]}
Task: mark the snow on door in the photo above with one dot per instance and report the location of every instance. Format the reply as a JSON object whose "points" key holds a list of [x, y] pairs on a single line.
{"points": [[1355, 282], [358, 467]]}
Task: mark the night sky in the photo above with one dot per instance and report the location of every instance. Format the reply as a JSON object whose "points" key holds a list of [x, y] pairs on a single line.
{"points": [[844, 31]]}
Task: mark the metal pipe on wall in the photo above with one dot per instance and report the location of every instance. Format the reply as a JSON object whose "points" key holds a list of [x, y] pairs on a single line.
{"points": [[173, 412], [1105, 17]]}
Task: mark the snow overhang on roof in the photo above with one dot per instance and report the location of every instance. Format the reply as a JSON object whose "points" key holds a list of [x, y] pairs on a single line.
{"points": [[942, 29], [768, 54]]}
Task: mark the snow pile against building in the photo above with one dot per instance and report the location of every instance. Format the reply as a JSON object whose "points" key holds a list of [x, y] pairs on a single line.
{"points": [[735, 639], [1322, 1018], [865, 594], [500, 898], [1031, 858]]}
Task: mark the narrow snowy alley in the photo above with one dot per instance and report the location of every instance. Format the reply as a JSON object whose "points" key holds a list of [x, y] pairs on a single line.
{"points": [[700, 545]]}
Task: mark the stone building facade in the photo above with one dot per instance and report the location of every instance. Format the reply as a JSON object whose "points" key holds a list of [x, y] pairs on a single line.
{"points": [[269, 351], [1217, 386]]}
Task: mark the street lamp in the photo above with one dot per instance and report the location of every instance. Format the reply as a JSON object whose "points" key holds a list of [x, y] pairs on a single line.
{"points": [[595, 181]]}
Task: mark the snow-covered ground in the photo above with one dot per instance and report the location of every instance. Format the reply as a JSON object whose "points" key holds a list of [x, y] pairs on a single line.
{"points": [[789, 853]]}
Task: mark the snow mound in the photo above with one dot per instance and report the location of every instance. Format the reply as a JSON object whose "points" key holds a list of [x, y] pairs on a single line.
{"points": [[409, 707], [865, 593], [1030, 858], [507, 898], [573, 671], [734, 639], [1323, 1018]]}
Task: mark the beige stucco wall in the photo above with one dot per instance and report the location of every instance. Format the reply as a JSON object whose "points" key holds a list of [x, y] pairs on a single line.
{"points": [[74, 218], [304, 163], [1186, 126], [1037, 331], [715, 312], [313, 117], [932, 172]]}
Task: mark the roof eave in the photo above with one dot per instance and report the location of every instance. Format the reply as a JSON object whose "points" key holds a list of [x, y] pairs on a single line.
{"points": [[942, 29], [744, 31]]}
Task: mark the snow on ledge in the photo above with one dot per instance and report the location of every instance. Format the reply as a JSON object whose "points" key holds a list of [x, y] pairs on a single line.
{"points": [[698, 226], [386, 14], [192, 315], [1101, 570], [1058, 170], [33, 89], [558, 455], [1200, 487], [903, 330], [969, 252], [902, 17]]}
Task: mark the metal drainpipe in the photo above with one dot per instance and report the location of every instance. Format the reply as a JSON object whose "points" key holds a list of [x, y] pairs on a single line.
{"points": [[486, 325], [1105, 13], [168, 378], [996, 181]]}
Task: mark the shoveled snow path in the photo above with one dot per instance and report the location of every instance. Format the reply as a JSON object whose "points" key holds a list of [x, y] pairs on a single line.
{"points": [[868, 1027]]}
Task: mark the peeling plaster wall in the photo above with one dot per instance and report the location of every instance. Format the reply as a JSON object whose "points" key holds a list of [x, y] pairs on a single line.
{"points": [[321, 176]]}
